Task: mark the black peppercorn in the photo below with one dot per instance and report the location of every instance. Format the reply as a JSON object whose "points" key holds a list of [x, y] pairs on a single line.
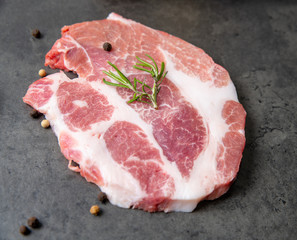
{"points": [[102, 197], [35, 114], [107, 46], [33, 222], [24, 230], [74, 164], [36, 33]]}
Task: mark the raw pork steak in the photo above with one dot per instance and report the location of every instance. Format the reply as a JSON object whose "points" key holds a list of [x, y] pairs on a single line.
{"points": [[157, 160]]}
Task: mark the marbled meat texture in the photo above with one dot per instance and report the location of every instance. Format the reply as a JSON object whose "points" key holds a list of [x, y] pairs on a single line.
{"points": [[156, 160]]}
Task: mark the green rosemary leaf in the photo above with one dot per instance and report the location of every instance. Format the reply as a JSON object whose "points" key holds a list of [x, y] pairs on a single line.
{"points": [[157, 70], [162, 70], [132, 100], [141, 64], [120, 73], [161, 80], [114, 84], [148, 64], [144, 84], [142, 69], [113, 76], [140, 95]]}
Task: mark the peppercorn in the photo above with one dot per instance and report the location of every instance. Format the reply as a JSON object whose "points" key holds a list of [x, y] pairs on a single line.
{"points": [[102, 197], [35, 114], [107, 46], [24, 230], [42, 73], [45, 123], [33, 222], [36, 33], [95, 210], [74, 164]]}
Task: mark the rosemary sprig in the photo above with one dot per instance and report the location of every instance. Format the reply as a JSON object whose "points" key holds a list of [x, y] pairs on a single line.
{"points": [[140, 96]]}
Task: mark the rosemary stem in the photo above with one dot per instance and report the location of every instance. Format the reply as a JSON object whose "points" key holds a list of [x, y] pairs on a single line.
{"points": [[145, 96]]}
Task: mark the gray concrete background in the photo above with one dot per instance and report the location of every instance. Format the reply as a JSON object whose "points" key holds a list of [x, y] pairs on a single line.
{"points": [[256, 41]]}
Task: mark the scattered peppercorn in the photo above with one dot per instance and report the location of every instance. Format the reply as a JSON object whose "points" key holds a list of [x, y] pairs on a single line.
{"points": [[35, 114], [102, 197], [36, 33], [42, 73], [45, 123], [74, 164], [107, 46], [95, 210], [33, 222], [24, 230]]}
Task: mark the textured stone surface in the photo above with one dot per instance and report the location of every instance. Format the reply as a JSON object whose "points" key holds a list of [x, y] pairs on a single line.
{"points": [[254, 40]]}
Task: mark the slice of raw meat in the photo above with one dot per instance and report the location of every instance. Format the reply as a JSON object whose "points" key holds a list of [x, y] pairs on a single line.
{"points": [[157, 160]]}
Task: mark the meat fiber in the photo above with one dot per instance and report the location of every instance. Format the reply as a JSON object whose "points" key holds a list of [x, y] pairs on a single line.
{"points": [[156, 160]]}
